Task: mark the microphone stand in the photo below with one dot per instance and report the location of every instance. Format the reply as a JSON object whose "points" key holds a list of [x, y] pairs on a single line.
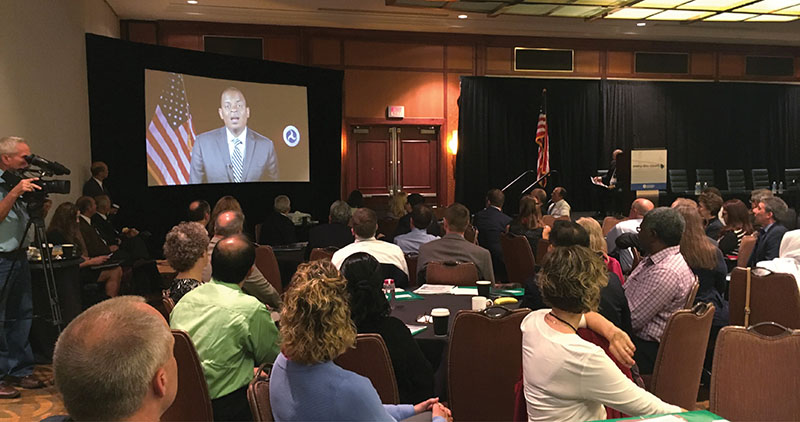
{"points": [[518, 177], [545, 176]]}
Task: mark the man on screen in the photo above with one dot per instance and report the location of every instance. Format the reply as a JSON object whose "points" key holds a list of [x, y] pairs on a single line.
{"points": [[233, 153]]}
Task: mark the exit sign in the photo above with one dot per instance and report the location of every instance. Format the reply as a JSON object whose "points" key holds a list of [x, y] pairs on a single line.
{"points": [[395, 112]]}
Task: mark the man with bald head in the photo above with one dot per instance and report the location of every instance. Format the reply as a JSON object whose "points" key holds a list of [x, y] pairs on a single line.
{"points": [[232, 332], [230, 223], [639, 208], [140, 341], [233, 153]]}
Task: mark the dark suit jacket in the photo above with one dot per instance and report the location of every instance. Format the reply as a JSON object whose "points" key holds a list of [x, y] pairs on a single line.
{"points": [[491, 223], [767, 245], [277, 229], [714, 228], [95, 246], [453, 247], [92, 188], [327, 235], [106, 229], [211, 158], [612, 170]]}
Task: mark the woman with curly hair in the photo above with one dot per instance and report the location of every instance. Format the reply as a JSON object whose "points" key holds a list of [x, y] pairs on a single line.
{"points": [[186, 250], [370, 312], [565, 377], [316, 327]]}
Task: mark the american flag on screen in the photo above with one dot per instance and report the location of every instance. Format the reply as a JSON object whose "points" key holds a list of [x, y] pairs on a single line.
{"points": [[543, 140], [170, 135]]}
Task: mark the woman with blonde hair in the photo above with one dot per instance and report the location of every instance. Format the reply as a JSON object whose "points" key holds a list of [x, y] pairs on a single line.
{"points": [[598, 244], [397, 205], [316, 328], [226, 203]]}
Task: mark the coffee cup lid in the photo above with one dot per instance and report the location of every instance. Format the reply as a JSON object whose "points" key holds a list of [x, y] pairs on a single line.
{"points": [[483, 282], [440, 312]]}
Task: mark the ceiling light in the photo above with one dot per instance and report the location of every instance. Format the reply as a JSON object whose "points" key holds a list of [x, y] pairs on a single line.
{"points": [[716, 5], [641, 24], [679, 15], [767, 6], [729, 17], [660, 4], [462, 16], [633, 13], [191, 1], [791, 11], [773, 18]]}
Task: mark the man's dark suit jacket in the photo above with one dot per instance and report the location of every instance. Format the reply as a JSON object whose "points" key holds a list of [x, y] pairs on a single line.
{"points": [[95, 246], [327, 235], [612, 170], [106, 229], [277, 229], [92, 188], [491, 223], [767, 245]]}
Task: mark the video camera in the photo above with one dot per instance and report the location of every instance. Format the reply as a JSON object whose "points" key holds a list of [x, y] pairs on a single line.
{"points": [[41, 168]]}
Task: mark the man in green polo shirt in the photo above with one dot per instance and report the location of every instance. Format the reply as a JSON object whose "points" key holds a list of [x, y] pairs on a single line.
{"points": [[232, 331]]}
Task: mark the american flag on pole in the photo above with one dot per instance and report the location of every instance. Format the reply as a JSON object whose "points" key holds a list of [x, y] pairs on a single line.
{"points": [[170, 135], [543, 141]]}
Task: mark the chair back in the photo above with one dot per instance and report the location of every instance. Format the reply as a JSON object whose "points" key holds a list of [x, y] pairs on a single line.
{"points": [[681, 353], [267, 263], [756, 377], [518, 257], [705, 176], [258, 232], [387, 226], [773, 297], [146, 278], [746, 247], [370, 358], [760, 178], [451, 272], [609, 223], [678, 181], [637, 258], [258, 395], [792, 177], [471, 234], [411, 262], [167, 301], [736, 182], [692, 294], [192, 402], [541, 250], [322, 253], [483, 364], [548, 220]]}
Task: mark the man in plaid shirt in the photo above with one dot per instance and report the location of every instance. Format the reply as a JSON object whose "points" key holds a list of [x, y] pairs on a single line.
{"points": [[659, 285]]}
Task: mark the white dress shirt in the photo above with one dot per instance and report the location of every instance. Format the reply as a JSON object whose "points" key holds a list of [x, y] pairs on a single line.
{"points": [[384, 252]]}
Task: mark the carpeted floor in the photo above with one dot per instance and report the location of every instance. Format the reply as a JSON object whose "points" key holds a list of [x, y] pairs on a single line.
{"points": [[34, 405]]}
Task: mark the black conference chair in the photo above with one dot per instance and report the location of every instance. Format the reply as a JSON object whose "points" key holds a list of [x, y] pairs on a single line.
{"points": [[736, 182], [679, 182], [761, 178], [705, 177], [792, 178]]}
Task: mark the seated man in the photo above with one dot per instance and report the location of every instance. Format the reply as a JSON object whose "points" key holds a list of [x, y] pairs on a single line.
{"points": [[491, 222], [95, 244], [767, 216], [278, 229], [200, 212], [390, 256], [659, 285], [334, 234], [421, 217], [140, 341], [232, 332], [404, 223], [559, 207], [639, 208], [453, 246], [130, 243], [230, 223]]}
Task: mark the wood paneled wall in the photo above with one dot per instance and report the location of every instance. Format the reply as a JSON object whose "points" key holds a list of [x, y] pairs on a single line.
{"points": [[421, 70]]}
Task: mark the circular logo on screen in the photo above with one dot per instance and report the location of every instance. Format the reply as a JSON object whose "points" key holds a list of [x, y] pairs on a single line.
{"points": [[291, 136]]}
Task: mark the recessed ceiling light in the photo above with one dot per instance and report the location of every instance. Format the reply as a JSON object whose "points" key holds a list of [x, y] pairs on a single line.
{"points": [[633, 13], [191, 1], [641, 24], [462, 16]]}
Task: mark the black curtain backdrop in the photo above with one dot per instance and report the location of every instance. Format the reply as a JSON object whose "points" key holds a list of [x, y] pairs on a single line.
{"points": [[703, 125], [118, 123]]}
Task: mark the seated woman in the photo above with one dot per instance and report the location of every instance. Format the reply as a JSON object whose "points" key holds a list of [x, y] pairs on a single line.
{"points": [[186, 250], [567, 378], [529, 222], [737, 225], [305, 384], [64, 228], [370, 312], [598, 244]]}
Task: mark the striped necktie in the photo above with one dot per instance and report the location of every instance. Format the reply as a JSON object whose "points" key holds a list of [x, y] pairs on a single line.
{"points": [[236, 161]]}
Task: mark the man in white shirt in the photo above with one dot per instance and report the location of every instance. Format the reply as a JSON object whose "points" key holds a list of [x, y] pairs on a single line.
{"points": [[639, 208], [559, 207], [421, 216]]}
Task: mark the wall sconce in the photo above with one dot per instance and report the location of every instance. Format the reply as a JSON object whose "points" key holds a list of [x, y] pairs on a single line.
{"points": [[452, 144]]}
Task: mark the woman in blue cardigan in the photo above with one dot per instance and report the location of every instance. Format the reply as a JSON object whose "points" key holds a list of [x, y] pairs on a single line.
{"points": [[316, 328]]}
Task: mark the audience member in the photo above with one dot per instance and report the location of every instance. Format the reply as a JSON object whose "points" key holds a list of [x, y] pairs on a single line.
{"points": [[788, 260], [186, 250], [398, 206], [684, 202], [565, 377], [229, 223], [278, 229], [226, 203], [529, 223], [404, 223], [64, 228], [540, 196], [393, 261], [491, 222], [639, 208], [115, 362], [355, 200], [709, 204], [95, 186], [232, 332], [336, 233], [597, 243], [421, 217], [559, 207], [737, 225], [95, 245], [316, 327], [129, 240], [370, 312], [768, 242], [658, 286], [200, 212], [758, 195], [453, 247]]}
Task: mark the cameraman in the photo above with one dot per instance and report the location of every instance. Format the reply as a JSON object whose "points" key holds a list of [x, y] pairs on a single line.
{"points": [[16, 306]]}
